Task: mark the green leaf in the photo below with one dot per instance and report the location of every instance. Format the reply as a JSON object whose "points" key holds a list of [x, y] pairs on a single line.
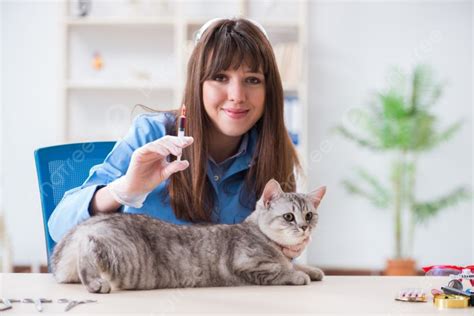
{"points": [[425, 91], [376, 193], [354, 189], [357, 139], [393, 105], [381, 195], [438, 138], [422, 131], [426, 210]]}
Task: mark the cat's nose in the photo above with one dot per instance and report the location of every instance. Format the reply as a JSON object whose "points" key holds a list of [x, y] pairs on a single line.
{"points": [[304, 227]]}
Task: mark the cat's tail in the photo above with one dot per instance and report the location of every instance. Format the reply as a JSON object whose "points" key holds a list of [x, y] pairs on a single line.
{"points": [[92, 263], [64, 261]]}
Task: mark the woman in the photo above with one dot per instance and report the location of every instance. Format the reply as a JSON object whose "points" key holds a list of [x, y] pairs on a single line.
{"points": [[236, 142]]}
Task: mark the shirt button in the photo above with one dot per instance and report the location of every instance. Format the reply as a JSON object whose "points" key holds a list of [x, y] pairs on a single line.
{"points": [[216, 178]]}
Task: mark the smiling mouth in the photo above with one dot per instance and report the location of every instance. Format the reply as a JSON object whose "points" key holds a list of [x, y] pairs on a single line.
{"points": [[236, 114]]}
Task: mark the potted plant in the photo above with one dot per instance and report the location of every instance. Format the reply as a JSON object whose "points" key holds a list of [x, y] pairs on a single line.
{"points": [[400, 123]]}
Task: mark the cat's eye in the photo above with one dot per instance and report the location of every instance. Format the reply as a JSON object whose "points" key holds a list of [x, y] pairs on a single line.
{"points": [[289, 217], [309, 216]]}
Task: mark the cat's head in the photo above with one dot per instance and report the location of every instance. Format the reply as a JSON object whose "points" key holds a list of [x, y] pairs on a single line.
{"points": [[287, 218]]}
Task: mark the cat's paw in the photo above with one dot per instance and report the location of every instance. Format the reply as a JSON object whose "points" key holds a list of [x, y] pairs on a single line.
{"points": [[98, 286], [315, 274], [300, 278]]}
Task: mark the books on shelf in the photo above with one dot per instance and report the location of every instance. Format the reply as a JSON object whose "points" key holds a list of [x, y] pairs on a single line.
{"points": [[288, 59], [292, 110]]}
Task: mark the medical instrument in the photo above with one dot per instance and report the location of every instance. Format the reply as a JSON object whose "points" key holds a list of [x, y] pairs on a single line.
{"points": [[5, 304], [411, 295], [181, 126], [73, 303], [38, 302]]}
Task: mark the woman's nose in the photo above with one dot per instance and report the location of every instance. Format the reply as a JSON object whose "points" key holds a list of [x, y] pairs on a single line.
{"points": [[236, 92]]}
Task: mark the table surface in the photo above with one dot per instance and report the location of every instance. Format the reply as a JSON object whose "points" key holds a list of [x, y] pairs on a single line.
{"points": [[349, 295]]}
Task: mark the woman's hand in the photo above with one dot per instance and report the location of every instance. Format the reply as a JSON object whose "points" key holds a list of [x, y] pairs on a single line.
{"points": [[149, 167], [294, 251]]}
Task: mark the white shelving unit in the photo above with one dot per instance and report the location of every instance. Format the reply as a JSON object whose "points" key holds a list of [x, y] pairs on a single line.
{"points": [[145, 46]]}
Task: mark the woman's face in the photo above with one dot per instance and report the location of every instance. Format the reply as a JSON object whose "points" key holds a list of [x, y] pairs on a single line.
{"points": [[234, 100]]}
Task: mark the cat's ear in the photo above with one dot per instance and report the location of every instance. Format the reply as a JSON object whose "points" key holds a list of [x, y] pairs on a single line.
{"points": [[271, 191], [317, 195]]}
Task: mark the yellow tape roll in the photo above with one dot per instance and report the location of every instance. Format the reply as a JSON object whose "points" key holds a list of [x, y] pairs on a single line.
{"points": [[450, 301]]}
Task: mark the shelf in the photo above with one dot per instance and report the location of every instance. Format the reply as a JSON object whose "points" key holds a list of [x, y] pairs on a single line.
{"points": [[287, 86], [139, 86], [161, 45], [163, 21], [138, 21], [117, 86], [265, 23]]}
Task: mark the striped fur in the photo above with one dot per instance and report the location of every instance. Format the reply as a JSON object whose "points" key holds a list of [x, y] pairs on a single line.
{"points": [[131, 251]]}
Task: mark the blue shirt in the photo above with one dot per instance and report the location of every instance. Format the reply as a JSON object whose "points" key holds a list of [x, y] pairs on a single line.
{"points": [[231, 202]]}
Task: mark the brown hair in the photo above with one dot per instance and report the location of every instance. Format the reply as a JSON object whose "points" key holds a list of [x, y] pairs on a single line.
{"points": [[228, 43]]}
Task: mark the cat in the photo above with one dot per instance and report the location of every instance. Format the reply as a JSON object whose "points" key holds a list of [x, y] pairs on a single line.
{"points": [[132, 251]]}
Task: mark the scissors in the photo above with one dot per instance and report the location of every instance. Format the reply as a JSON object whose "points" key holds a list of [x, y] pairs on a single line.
{"points": [[73, 303], [37, 301], [6, 304]]}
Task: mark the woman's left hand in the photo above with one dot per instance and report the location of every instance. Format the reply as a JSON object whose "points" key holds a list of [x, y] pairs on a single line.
{"points": [[294, 251]]}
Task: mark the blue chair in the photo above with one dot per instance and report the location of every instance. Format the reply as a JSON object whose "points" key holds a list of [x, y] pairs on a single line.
{"points": [[61, 168]]}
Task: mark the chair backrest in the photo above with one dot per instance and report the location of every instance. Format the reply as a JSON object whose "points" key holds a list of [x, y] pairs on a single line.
{"points": [[61, 168]]}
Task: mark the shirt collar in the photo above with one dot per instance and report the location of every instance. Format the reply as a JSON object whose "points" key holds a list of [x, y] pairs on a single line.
{"points": [[240, 152], [241, 161]]}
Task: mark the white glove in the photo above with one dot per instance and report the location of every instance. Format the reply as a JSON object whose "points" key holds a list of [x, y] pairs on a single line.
{"points": [[118, 190], [148, 168]]}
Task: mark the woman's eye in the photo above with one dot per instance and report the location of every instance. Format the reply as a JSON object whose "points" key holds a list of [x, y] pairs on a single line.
{"points": [[254, 80], [309, 216], [220, 78], [289, 217]]}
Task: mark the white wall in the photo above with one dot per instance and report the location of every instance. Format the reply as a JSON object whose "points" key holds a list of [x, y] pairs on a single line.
{"points": [[31, 57], [352, 44], [1, 108], [351, 47]]}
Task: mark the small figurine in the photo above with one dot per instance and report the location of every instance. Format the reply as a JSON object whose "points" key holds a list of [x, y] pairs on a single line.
{"points": [[97, 61], [84, 7]]}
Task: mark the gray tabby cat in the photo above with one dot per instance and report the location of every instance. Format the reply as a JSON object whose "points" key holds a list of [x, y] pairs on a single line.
{"points": [[130, 251]]}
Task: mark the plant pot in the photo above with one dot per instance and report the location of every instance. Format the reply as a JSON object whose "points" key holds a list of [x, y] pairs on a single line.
{"points": [[405, 266]]}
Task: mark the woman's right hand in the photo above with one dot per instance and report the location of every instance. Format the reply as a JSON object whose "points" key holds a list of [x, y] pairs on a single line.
{"points": [[149, 166]]}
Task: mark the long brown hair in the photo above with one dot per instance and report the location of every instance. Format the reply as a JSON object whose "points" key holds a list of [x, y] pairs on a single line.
{"points": [[228, 43]]}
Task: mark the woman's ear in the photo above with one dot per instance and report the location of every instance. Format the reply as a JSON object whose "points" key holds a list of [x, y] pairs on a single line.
{"points": [[271, 191], [317, 195]]}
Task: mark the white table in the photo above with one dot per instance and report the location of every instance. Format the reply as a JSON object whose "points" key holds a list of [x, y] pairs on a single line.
{"points": [[349, 295]]}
